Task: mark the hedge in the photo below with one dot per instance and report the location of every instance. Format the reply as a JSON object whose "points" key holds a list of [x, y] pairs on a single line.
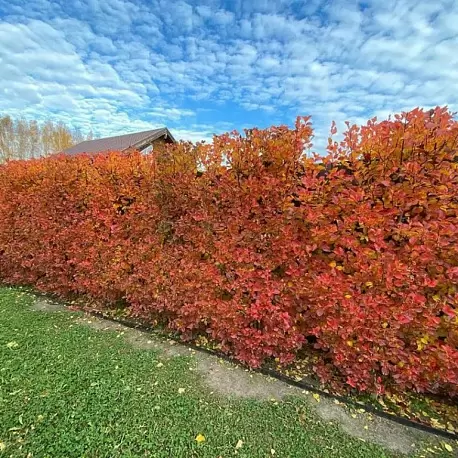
{"points": [[261, 248]]}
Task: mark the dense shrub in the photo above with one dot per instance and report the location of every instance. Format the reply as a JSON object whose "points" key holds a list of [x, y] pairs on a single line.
{"points": [[262, 249]]}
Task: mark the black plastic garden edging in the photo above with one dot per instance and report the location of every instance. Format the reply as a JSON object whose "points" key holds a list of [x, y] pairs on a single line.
{"points": [[274, 374]]}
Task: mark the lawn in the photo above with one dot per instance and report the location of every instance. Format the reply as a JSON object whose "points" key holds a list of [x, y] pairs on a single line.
{"points": [[69, 391]]}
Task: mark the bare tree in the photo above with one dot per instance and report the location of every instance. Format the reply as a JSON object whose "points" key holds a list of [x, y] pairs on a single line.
{"points": [[6, 138]]}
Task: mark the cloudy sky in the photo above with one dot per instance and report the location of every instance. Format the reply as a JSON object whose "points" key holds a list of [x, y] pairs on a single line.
{"points": [[211, 66]]}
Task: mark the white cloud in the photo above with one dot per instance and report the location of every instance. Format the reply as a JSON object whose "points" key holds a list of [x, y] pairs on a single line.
{"points": [[139, 63], [45, 77], [194, 135]]}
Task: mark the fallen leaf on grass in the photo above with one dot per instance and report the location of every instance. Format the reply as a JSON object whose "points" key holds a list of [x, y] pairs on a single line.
{"points": [[437, 424], [200, 438], [448, 447], [12, 345], [2, 446], [159, 365], [239, 444], [316, 397], [181, 390]]}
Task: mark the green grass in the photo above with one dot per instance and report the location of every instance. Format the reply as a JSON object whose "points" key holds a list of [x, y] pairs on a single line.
{"points": [[69, 391]]}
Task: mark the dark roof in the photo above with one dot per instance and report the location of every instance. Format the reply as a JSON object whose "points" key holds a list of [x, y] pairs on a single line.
{"points": [[121, 142]]}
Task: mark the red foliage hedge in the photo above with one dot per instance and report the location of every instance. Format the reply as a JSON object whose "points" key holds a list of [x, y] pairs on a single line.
{"points": [[267, 249]]}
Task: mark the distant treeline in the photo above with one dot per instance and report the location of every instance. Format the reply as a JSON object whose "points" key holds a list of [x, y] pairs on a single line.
{"points": [[26, 139]]}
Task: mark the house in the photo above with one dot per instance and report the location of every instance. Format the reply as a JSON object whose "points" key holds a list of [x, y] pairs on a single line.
{"points": [[141, 141]]}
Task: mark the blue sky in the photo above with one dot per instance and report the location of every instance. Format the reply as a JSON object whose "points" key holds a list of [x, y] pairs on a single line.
{"points": [[207, 67]]}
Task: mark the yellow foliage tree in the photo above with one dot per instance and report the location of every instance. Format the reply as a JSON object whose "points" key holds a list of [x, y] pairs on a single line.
{"points": [[26, 139]]}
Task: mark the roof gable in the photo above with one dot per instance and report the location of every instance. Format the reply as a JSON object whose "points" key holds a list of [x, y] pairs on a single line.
{"points": [[120, 142]]}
